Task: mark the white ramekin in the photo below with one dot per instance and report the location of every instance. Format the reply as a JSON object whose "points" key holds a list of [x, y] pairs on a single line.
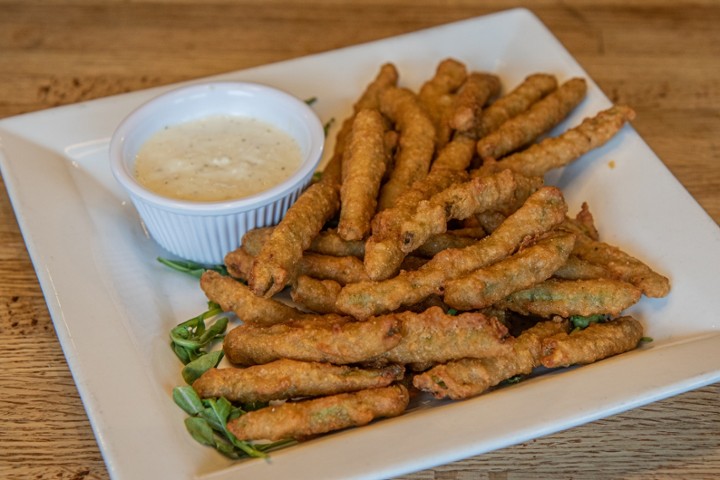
{"points": [[205, 231]]}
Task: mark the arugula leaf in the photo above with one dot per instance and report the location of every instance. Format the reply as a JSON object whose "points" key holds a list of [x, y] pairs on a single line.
{"points": [[200, 365], [191, 268], [187, 398], [207, 424], [189, 338]]}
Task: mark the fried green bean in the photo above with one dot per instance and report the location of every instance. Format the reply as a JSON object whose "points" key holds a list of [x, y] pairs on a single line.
{"points": [[301, 420], [233, 296], [543, 210], [416, 144], [469, 377], [460, 201], [534, 264], [326, 338], [572, 297], [433, 336], [518, 100], [597, 341], [363, 168], [541, 117], [285, 379], [556, 152], [472, 96]]}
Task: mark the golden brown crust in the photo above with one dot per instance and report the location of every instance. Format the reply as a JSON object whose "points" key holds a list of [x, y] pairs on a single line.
{"points": [[573, 297], [233, 296], [284, 379], [326, 338], [364, 165], [437, 96], [300, 420], [622, 266], [521, 130], [477, 90], [457, 154], [434, 337], [416, 143], [462, 200], [534, 264], [532, 89], [469, 377], [543, 210], [383, 253], [556, 152], [275, 263], [316, 295], [597, 341]]}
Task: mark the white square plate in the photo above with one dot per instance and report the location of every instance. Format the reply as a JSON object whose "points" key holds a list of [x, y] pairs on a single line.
{"points": [[113, 305]]}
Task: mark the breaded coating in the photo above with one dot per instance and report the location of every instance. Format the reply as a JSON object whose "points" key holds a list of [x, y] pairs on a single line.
{"points": [[542, 116], [597, 341], [469, 377], [383, 254], [534, 264], [433, 336], [437, 96], [343, 270], [622, 266], [301, 420], [556, 152], [239, 263], [457, 154], [327, 338], [328, 242], [472, 96], [386, 77], [543, 210], [416, 143], [460, 201], [316, 295], [253, 240], [275, 263], [363, 169], [532, 89], [233, 296], [583, 223], [305, 218], [386, 222], [572, 297], [450, 239], [577, 269], [285, 379]]}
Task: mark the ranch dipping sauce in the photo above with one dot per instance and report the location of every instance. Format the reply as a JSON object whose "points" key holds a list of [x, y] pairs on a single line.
{"points": [[216, 158]]}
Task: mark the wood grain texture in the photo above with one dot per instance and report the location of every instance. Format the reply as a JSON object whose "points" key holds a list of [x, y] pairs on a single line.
{"points": [[661, 57]]}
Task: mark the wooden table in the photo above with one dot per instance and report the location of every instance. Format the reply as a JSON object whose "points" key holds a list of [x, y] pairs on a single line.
{"points": [[661, 57]]}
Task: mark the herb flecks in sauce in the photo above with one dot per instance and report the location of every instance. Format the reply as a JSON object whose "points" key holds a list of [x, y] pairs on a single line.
{"points": [[217, 158]]}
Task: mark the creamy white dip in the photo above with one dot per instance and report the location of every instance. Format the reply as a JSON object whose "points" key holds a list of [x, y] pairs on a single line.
{"points": [[216, 158]]}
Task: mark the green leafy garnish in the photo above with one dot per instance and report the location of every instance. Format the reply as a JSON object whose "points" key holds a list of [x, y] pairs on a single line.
{"points": [[191, 268], [310, 101], [328, 124], [207, 424], [200, 365], [189, 339], [514, 379], [452, 311], [646, 340]]}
